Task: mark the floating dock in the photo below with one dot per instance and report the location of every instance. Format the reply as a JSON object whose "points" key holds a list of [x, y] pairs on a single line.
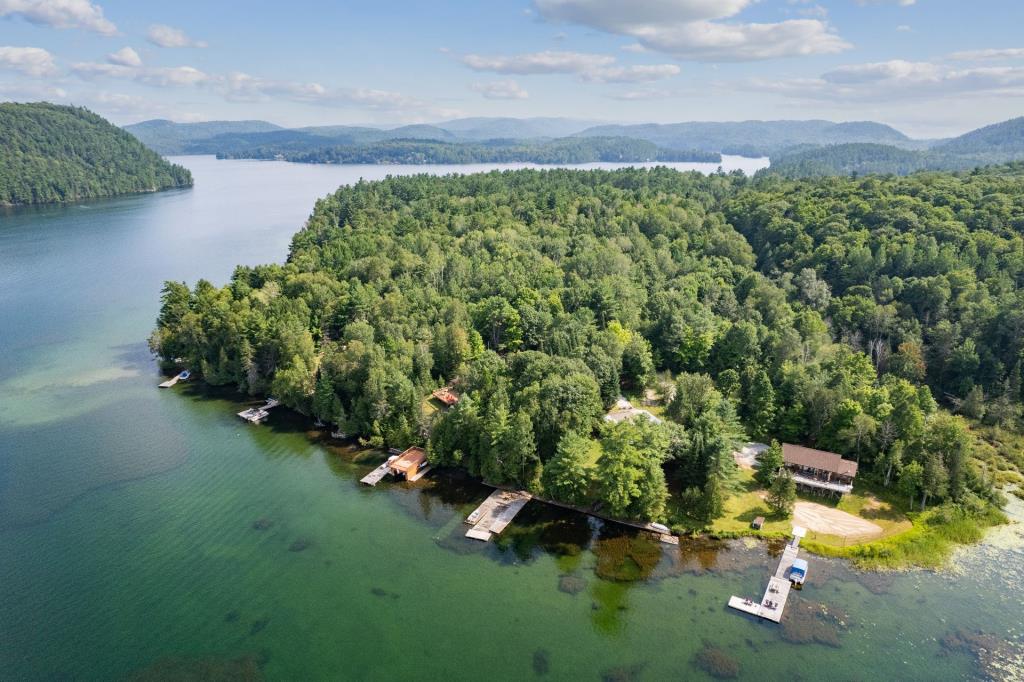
{"points": [[255, 415], [183, 376], [496, 512], [773, 603], [378, 474]]}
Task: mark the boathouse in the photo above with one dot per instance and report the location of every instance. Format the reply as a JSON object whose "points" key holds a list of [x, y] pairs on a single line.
{"points": [[819, 471], [409, 464]]}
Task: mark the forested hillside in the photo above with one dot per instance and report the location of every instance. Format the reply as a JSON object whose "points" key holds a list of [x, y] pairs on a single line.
{"points": [[51, 153], [753, 138], [168, 137], [287, 145], [853, 315]]}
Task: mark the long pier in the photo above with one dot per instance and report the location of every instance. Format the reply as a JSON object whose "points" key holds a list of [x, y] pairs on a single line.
{"points": [[773, 603], [495, 513]]}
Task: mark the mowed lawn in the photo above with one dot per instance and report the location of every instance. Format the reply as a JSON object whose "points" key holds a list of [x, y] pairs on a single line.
{"points": [[746, 503]]}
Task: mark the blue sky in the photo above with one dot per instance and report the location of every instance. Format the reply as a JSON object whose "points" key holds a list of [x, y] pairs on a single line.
{"points": [[928, 67]]}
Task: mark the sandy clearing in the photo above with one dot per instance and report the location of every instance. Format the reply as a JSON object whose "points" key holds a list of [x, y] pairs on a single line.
{"points": [[822, 519]]}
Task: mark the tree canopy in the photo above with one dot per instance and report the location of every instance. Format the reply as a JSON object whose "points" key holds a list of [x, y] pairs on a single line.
{"points": [[851, 315], [51, 153]]}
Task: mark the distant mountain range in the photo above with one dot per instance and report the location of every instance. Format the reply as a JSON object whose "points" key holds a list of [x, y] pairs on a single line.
{"points": [[812, 147], [998, 143]]}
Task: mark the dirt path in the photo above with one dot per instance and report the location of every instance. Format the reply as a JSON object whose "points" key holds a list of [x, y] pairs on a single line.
{"points": [[822, 519]]}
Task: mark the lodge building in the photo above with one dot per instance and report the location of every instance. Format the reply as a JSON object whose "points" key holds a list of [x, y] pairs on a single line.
{"points": [[819, 471]]}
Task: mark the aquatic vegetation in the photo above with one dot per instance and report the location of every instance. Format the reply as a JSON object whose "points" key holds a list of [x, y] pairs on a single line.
{"points": [[258, 626], [716, 662], [541, 662], [626, 558], [262, 523], [571, 584], [241, 669], [300, 545], [812, 623], [622, 673]]}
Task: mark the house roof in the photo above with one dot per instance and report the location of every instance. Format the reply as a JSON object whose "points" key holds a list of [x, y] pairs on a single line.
{"points": [[410, 459], [818, 459], [446, 395]]}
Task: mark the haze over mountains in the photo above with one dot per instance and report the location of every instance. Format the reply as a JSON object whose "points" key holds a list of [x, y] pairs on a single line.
{"points": [[812, 147]]}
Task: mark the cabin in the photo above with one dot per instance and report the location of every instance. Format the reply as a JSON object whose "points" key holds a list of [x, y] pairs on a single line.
{"points": [[819, 471], [410, 464], [623, 410], [446, 396]]}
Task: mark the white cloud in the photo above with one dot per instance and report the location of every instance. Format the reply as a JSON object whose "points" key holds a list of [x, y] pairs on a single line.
{"points": [[593, 68], [904, 28], [31, 91], [898, 80], [616, 16], [980, 55], [648, 94], [549, 61], [31, 61], [243, 87], [60, 14], [168, 36], [126, 56], [162, 76], [718, 42], [500, 90], [643, 73], [693, 30]]}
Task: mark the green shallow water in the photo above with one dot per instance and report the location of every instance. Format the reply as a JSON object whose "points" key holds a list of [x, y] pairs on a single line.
{"points": [[148, 530]]}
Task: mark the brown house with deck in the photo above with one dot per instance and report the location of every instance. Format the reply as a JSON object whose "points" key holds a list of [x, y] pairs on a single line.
{"points": [[819, 471]]}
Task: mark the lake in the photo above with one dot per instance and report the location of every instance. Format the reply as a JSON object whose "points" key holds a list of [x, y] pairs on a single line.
{"points": [[152, 534]]}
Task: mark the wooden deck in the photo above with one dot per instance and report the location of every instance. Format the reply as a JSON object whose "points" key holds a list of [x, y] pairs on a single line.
{"points": [[378, 474], [182, 376], [495, 513], [773, 603], [255, 415]]}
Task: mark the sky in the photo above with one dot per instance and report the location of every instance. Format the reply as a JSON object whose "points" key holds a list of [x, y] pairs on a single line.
{"points": [[930, 68]]}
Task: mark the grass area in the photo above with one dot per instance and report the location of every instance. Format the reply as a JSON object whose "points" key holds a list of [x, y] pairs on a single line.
{"points": [[593, 454], [929, 544], [747, 503]]}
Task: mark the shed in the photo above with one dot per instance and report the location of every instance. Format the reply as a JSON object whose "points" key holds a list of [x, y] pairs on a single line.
{"points": [[757, 523]]}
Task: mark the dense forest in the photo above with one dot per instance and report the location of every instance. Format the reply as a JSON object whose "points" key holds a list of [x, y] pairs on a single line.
{"points": [[879, 317], [51, 153], [416, 151]]}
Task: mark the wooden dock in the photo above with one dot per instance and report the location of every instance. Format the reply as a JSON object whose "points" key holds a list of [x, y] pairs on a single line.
{"points": [[495, 513], [255, 415], [182, 376], [378, 474], [773, 603]]}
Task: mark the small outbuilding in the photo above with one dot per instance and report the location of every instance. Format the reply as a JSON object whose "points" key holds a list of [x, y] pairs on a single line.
{"points": [[446, 396], [757, 523]]}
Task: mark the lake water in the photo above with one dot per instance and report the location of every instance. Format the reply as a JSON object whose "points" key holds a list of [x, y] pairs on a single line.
{"points": [[152, 533]]}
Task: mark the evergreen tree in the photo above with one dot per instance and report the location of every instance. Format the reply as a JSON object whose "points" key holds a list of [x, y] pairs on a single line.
{"points": [[769, 463], [782, 495]]}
